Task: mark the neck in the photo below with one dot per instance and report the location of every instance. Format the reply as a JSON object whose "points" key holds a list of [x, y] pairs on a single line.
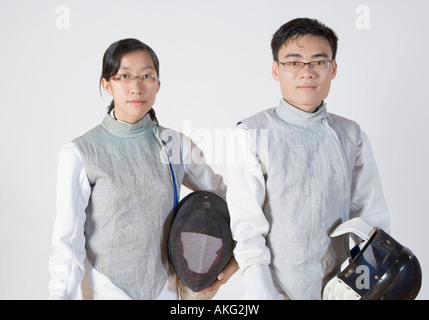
{"points": [[308, 109], [112, 114]]}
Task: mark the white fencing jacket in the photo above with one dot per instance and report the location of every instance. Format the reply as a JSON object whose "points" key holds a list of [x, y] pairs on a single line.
{"points": [[295, 177], [72, 276]]}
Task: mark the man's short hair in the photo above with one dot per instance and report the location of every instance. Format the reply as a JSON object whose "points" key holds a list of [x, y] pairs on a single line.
{"points": [[299, 27]]}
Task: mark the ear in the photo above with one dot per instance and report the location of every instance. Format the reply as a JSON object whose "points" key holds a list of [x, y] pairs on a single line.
{"points": [[106, 86], [275, 71], [334, 69], [159, 86]]}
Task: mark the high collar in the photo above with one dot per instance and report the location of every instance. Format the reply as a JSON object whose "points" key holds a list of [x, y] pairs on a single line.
{"points": [[123, 129], [291, 114]]}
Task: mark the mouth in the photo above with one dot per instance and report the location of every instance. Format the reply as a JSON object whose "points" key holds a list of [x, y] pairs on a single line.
{"points": [[307, 87], [136, 102]]}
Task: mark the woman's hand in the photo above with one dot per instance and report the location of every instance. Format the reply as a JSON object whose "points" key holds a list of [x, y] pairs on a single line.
{"points": [[223, 277]]}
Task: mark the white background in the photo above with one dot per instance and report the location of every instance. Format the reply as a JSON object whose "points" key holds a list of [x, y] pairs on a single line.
{"points": [[215, 69]]}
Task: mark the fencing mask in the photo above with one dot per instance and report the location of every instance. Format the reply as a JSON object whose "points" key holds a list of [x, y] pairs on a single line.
{"points": [[200, 242], [380, 268]]}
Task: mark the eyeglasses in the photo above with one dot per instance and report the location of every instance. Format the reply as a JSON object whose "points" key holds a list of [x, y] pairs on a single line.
{"points": [[317, 66], [128, 79]]}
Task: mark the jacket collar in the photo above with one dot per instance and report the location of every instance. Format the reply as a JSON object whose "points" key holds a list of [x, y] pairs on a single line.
{"points": [[123, 129], [291, 114]]}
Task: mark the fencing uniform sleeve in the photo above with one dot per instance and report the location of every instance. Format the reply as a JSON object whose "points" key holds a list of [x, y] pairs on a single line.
{"points": [[198, 174], [367, 200], [245, 198], [66, 264]]}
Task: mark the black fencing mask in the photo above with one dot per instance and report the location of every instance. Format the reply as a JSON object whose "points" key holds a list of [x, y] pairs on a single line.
{"points": [[200, 242]]}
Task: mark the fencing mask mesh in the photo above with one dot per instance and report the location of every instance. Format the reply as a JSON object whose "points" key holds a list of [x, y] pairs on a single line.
{"points": [[200, 242]]}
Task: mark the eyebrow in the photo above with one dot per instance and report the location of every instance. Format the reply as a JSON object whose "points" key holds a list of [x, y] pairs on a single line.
{"points": [[298, 55], [144, 68]]}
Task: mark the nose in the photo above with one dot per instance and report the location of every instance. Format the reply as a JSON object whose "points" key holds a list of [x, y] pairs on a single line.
{"points": [[307, 71], [136, 87]]}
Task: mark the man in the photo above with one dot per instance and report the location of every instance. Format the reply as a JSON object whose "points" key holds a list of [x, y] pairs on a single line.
{"points": [[305, 171]]}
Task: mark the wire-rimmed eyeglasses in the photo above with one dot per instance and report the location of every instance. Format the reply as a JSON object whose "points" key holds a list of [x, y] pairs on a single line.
{"points": [[127, 78], [317, 66]]}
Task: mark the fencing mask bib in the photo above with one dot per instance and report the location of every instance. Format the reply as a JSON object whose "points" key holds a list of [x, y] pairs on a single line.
{"points": [[200, 242], [380, 268]]}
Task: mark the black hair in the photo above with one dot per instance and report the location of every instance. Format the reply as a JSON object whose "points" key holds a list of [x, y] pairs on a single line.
{"points": [[295, 28], [112, 60]]}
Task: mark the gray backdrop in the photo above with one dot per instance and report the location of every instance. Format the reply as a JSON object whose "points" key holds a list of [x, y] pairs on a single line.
{"points": [[215, 69]]}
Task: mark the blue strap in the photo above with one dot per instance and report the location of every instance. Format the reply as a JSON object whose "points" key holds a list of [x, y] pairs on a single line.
{"points": [[176, 195]]}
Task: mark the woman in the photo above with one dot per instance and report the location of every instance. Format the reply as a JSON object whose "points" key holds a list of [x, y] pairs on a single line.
{"points": [[117, 187]]}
